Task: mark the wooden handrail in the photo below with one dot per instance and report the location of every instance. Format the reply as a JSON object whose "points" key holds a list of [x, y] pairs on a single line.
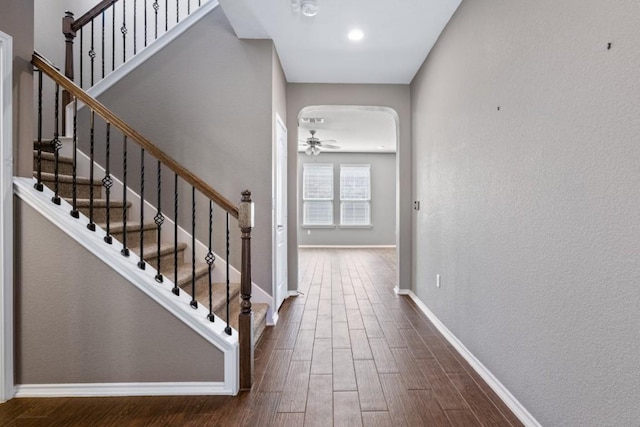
{"points": [[93, 13], [46, 67]]}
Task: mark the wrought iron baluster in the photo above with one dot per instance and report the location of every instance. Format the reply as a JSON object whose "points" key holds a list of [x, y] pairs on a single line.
{"points": [[38, 185], [135, 27], [125, 249], [145, 23], [159, 219], [124, 31], [113, 37], [81, 57], [156, 6], [107, 182], [56, 146], [210, 258], [176, 289], [141, 264], [74, 211], [188, 7], [166, 15], [92, 54], [102, 53], [194, 302], [177, 12], [91, 226], [227, 329]]}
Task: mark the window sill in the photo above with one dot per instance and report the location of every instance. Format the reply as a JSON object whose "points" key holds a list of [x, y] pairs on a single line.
{"points": [[356, 226], [318, 226]]}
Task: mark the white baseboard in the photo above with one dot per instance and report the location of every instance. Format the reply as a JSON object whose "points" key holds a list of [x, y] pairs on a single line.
{"points": [[518, 409], [399, 291], [122, 389], [347, 246], [294, 293], [273, 321]]}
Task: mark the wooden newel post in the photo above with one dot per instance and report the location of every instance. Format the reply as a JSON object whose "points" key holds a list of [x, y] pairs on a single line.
{"points": [[69, 35], [245, 321]]}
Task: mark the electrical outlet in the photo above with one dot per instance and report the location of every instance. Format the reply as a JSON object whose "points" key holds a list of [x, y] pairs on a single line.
{"points": [[437, 280], [308, 232]]}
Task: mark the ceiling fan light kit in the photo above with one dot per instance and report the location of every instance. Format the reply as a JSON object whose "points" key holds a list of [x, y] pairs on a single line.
{"points": [[314, 144]]}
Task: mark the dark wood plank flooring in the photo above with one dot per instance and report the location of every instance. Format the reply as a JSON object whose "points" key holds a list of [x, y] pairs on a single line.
{"points": [[347, 351]]}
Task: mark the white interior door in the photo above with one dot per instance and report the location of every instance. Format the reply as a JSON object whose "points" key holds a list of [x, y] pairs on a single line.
{"points": [[280, 215]]}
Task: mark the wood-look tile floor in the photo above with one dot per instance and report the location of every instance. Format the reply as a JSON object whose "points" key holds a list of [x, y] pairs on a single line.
{"points": [[347, 351]]}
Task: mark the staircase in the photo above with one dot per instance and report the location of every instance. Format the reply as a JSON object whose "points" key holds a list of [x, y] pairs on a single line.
{"points": [[167, 253]]}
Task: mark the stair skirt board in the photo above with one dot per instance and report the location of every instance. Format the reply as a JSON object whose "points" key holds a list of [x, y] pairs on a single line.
{"points": [[503, 393], [179, 306], [142, 56], [258, 295], [121, 389]]}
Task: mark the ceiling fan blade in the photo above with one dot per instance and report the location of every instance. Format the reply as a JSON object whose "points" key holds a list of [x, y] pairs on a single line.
{"points": [[330, 141], [330, 146], [309, 151]]}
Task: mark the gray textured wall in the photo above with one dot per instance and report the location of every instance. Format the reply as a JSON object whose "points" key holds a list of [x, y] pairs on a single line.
{"points": [[206, 100], [84, 323], [530, 212], [16, 20], [383, 196], [396, 97]]}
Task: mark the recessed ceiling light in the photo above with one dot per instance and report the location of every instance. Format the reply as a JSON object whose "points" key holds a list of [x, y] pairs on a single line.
{"points": [[309, 7], [381, 146], [355, 35]]}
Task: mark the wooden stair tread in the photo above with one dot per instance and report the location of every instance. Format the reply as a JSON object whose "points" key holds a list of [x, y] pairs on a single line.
{"points": [[151, 250]]}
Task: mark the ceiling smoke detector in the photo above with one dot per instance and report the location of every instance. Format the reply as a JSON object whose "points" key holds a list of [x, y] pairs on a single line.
{"points": [[309, 7]]}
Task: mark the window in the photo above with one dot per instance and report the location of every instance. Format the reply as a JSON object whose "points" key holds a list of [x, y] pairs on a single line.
{"points": [[317, 194], [355, 195]]}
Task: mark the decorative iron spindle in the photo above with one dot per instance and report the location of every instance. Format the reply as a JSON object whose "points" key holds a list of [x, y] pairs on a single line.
{"points": [[188, 7], [141, 264], [103, 25], [145, 23], [124, 31], [159, 219], [177, 12], [113, 37], [91, 226], [107, 182], [56, 146], [156, 6], [228, 328], [176, 289], [74, 211], [125, 249], [81, 57], [135, 27], [210, 258], [166, 15], [193, 302], [38, 185], [92, 54]]}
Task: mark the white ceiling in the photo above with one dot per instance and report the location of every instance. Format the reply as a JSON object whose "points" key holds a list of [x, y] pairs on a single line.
{"points": [[355, 129], [398, 35]]}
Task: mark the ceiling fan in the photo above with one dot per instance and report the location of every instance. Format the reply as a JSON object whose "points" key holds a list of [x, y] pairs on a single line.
{"points": [[314, 144]]}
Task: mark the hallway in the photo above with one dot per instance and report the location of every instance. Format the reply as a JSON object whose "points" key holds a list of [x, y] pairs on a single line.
{"points": [[347, 351]]}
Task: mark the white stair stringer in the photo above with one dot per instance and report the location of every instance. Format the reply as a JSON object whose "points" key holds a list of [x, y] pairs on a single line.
{"points": [[161, 293], [143, 55]]}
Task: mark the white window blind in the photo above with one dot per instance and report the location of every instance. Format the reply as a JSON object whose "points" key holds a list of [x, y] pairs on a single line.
{"points": [[317, 193], [355, 195]]}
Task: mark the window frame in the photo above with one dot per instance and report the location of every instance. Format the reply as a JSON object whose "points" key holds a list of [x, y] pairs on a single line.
{"points": [[308, 201], [364, 200]]}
